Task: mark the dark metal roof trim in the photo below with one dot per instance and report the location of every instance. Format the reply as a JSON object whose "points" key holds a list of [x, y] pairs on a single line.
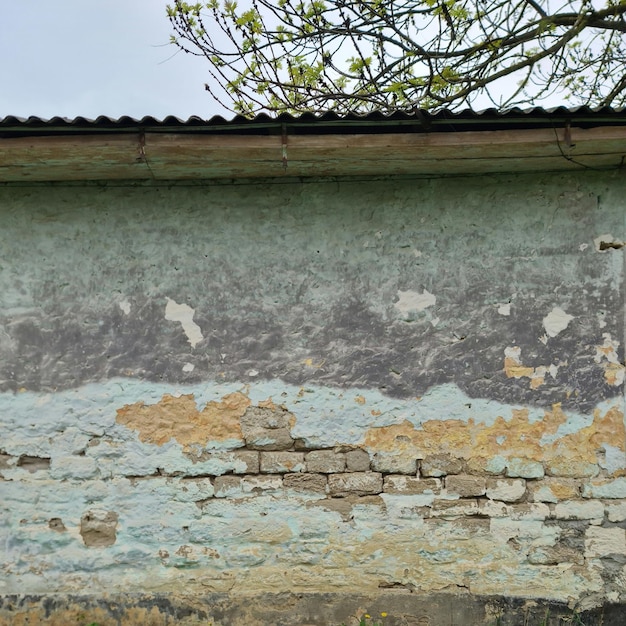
{"points": [[328, 123]]}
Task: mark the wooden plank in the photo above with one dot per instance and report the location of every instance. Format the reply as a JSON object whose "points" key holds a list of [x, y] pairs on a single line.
{"points": [[183, 156]]}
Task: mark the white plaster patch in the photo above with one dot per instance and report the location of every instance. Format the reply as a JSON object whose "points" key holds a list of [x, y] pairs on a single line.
{"points": [[409, 301], [505, 309], [189, 367], [125, 306], [606, 354], [583, 246], [556, 321], [183, 313], [604, 243]]}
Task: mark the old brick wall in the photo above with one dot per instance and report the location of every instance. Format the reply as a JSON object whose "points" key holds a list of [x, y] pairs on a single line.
{"points": [[407, 386]]}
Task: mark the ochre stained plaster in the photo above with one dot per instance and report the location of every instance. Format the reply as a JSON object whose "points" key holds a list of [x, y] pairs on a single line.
{"points": [[513, 368], [179, 418], [517, 437]]}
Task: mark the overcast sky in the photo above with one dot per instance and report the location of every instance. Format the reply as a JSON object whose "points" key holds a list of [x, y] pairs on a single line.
{"points": [[96, 57]]}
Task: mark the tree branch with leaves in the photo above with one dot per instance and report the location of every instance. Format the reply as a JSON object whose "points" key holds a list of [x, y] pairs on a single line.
{"points": [[389, 55]]}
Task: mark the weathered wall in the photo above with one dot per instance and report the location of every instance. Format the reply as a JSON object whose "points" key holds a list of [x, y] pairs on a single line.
{"points": [[332, 386]]}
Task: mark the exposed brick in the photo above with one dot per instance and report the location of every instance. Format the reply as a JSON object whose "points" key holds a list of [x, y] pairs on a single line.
{"points": [[506, 489], [357, 461], [281, 462], [267, 429], [257, 484], [579, 509], [246, 462], [466, 485], [225, 486], [394, 483], [357, 483], [325, 462], [436, 465], [390, 463], [553, 489], [316, 483], [454, 508]]}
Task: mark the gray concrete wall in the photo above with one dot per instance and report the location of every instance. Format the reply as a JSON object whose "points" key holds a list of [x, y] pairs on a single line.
{"points": [[403, 385]]}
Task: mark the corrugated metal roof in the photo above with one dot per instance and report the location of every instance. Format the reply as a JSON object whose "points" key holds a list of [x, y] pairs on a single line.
{"points": [[305, 146], [329, 123]]}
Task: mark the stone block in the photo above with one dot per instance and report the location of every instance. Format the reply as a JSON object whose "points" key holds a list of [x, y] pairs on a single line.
{"points": [[73, 467], [607, 489], [506, 489], [437, 465], [391, 463], [529, 511], [194, 489], [357, 461], [246, 462], [571, 468], [525, 511], [226, 486], [455, 508], [524, 468], [616, 511], [465, 485], [264, 428], [98, 528], [261, 483], [315, 483], [325, 462], [555, 555], [355, 483], [579, 509], [279, 462], [401, 484], [551, 489], [601, 542]]}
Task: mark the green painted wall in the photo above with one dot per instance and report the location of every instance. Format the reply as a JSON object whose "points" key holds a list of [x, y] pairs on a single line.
{"points": [[292, 387]]}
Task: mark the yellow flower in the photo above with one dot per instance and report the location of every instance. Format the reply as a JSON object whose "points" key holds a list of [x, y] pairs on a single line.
{"points": [[383, 614], [368, 616]]}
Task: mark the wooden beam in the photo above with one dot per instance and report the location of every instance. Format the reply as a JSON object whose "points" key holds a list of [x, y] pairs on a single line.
{"points": [[171, 156]]}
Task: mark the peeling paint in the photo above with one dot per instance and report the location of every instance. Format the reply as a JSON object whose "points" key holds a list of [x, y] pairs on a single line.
{"points": [[513, 368], [183, 313], [606, 355], [179, 418], [413, 301], [556, 321], [508, 439]]}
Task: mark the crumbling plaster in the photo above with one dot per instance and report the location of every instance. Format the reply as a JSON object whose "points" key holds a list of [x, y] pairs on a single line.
{"points": [[315, 386]]}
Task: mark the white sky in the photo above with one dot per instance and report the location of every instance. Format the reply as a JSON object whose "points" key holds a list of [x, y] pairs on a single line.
{"points": [[96, 57]]}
